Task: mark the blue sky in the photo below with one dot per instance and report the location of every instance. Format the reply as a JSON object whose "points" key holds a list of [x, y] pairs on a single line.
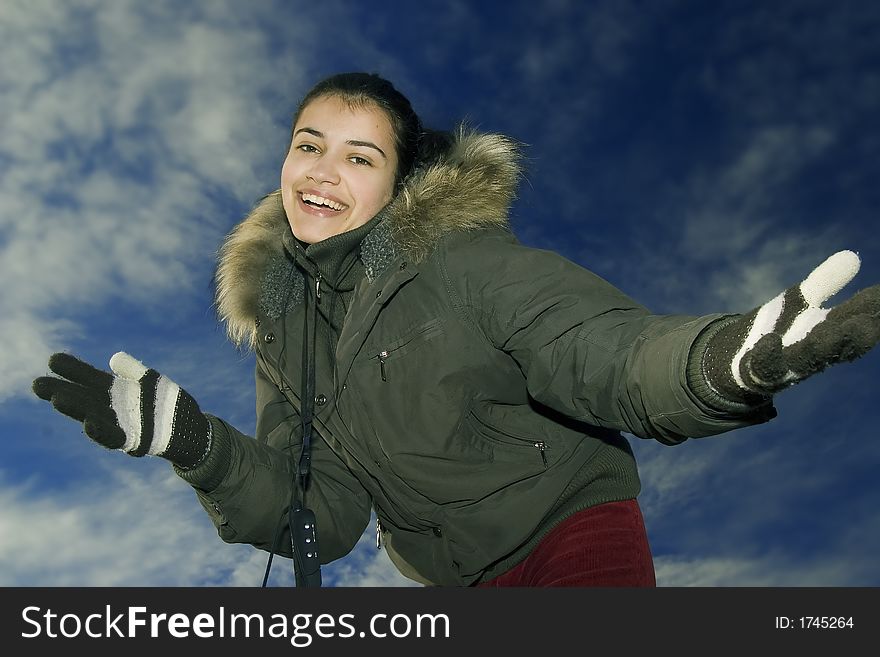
{"points": [[700, 156]]}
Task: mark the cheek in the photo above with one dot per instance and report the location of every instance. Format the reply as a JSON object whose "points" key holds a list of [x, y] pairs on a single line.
{"points": [[290, 176], [380, 199], [287, 194], [368, 192], [387, 192], [287, 171]]}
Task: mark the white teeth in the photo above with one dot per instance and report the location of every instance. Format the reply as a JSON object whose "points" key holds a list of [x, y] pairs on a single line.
{"points": [[320, 200]]}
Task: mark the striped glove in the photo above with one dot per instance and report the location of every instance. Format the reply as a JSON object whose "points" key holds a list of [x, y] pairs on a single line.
{"points": [[135, 409], [792, 337]]}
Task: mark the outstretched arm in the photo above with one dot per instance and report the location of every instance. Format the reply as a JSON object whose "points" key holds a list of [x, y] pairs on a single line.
{"points": [[789, 338]]}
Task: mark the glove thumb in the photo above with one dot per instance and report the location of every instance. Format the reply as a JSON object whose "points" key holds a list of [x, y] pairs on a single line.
{"points": [[127, 366]]}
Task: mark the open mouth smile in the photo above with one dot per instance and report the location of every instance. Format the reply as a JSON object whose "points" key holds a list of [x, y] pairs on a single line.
{"points": [[321, 205]]}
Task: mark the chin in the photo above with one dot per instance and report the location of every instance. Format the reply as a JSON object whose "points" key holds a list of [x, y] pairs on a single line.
{"points": [[308, 237], [309, 234]]}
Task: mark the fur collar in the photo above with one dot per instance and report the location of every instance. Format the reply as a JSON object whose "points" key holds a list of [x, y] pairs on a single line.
{"points": [[471, 187]]}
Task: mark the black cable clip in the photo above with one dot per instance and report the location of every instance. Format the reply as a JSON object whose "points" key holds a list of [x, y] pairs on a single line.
{"points": [[304, 541]]}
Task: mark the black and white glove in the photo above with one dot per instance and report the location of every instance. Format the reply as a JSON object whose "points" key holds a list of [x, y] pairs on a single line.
{"points": [[792, 337], [135, 409]]}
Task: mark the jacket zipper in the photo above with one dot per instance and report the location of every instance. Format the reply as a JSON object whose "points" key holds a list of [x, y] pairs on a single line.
{"points": [[318, 287], [382, 356], [541, 447]]}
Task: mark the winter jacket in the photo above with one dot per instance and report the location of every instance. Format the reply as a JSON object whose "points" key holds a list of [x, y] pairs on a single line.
{"points": [[469, 389]]}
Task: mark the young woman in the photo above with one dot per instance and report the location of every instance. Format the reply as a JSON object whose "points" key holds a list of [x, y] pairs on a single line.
{"points": [[413, 358]]}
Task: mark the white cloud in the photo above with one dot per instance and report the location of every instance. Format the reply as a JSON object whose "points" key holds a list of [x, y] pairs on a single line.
{"points": [[132, 528], [123, 124]]}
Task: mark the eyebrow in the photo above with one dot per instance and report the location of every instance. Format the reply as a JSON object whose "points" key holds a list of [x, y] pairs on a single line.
{"points": [[350, 142]]}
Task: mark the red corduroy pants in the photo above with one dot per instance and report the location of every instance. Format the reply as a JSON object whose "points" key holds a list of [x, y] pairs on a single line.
{"points": [[606, 545]]}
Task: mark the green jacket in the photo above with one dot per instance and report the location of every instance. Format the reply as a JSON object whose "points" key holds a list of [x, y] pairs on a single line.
{"points": [[470, 389]]}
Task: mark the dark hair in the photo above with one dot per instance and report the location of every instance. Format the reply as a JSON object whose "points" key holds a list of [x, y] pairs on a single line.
{"points": [[416, 146]]}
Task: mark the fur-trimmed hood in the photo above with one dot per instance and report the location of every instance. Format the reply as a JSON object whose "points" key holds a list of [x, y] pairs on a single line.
{"points": [[472, 186]]}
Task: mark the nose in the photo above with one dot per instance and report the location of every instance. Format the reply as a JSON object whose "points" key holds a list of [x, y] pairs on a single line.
{"points": [[323, 171]]}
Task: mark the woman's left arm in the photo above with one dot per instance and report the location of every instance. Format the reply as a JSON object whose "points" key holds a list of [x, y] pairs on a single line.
{"points": [[588, 350]]}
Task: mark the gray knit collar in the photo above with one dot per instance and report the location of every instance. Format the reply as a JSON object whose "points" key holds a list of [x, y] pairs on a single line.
{"points": [[282, 287]]}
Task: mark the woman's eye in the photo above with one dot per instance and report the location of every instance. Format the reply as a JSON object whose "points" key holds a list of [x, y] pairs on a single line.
{"points": [[360, 161], [307, 148]]}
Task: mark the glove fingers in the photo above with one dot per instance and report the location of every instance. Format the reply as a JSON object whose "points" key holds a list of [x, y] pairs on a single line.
{"points": [[99, 421], [863, 302], [71, 399], [78, 403], [74, 369], [832, 343], [46, 386], [104, 430], [134, 409]]}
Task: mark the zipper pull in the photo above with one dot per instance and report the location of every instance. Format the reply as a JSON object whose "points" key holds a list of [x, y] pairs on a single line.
{"points": [[382, 356], [540, 447], [318, 287], [378, 534]]}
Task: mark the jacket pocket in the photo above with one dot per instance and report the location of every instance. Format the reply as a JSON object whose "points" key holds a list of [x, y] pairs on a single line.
{"points": [[508, 444], [389, 351], [469, 462]]}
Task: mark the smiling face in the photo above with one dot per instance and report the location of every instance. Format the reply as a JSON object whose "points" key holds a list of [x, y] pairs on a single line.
{"points": [[340, 169]]}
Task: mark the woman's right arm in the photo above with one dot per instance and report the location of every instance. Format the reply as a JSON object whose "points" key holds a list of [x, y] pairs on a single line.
{"points": [[245, 484]]}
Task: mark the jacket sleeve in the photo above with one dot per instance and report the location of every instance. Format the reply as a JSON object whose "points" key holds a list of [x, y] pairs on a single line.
{"points": [[245, 483], [586, 349]]}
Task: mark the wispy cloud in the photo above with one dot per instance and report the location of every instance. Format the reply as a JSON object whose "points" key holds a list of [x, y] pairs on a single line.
{"points": [[846, 558], [729, 228], [777, 570], [127, 133], [745, 159], [790, 502], [131, 528]]}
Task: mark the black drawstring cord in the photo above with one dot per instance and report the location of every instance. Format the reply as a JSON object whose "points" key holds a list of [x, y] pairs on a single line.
{"points": [[303, 535], [272, 551]]}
